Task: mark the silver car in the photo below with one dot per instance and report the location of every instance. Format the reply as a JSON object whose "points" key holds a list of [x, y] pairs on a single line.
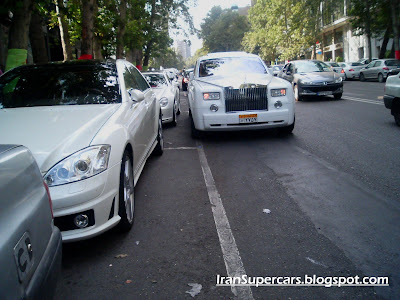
{"points": [[379, 69], [30, 244], [351, 69], [336, 68]]}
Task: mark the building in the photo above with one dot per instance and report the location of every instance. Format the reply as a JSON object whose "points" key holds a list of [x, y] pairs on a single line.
{"points": [[338, 41], [183, 49]]}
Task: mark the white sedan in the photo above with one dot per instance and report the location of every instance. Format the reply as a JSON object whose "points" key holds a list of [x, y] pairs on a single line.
{"points": [[234, 91], [91, 127], [167, 92]]}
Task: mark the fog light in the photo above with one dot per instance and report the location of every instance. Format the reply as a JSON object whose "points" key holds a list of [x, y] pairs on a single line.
{"points": [[81, 221], [278, 104], [214, 107]]}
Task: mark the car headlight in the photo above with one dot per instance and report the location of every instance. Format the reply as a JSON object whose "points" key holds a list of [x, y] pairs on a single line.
{"points": [[338, 80], [80, 165], [163, 102], [211, 96], [306, 82], [278, 92]]}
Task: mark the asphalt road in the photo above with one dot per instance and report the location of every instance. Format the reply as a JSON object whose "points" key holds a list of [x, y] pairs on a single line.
{"points": [[323, 201]]}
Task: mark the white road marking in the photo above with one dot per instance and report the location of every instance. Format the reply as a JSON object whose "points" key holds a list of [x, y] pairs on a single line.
{"points": [[230, 252], [363, 100], [181, 148], [316, 262]]}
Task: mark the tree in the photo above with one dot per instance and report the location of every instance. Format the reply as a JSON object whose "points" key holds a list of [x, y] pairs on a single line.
{"points": [[282, 29], [19, 34], [223, 30], [87, 26], [64, 31]]}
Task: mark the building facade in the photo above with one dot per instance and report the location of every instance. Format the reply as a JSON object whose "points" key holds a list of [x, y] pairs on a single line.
{"points": [[183, 49], [338, 41]]}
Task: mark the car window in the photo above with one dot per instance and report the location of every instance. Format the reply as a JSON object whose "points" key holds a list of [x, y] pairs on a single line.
{"points": [[343, 65], [59, 85], [311, 66], [231, 65], [142, 84], [391, 63], [334, 65], [291, 68], [156, 80], [356, 64], [377, 64], [371, 64]]}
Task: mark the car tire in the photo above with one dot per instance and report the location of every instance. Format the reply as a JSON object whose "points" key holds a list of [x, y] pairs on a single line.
{"points": [[287, 129], [179, 108], [381, 78], [345, 77], [174, 122], [126, 202], [159, 149], [297, 97], [337, 96], [362, 78], [196, 134]]}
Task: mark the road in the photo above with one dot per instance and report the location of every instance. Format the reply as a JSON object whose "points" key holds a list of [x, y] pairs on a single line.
{"points": [[324, 201]]}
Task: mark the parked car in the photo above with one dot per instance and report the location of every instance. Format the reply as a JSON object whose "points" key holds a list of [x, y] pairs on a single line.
{"points": [[337, 68], [91, 126], [394, 72], [351, 69], [275, 69], [312, 78], [30, 244], [378, 69], [234, 91], [168, 95], [392, 96], [366, 61]]}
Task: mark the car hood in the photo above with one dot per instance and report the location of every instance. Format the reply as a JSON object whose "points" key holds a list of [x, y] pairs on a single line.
{"points": [[161, 91], [53, 133], [317, 76], [237, 81]]}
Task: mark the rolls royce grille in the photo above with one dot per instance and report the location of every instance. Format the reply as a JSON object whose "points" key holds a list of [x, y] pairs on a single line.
{"points": [[246, 99]]}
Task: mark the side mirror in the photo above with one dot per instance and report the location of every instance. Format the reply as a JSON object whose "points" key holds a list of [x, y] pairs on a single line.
{"points": [[135, 95], [191, 76]]}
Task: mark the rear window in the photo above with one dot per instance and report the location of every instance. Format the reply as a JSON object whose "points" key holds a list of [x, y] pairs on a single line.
{"points": [[58, 85], [334, 65], [355, 64], [156, 80], [392, 63]]}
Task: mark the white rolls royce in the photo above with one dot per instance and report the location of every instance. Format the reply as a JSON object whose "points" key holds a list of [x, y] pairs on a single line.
{"points": [[235, 91]]}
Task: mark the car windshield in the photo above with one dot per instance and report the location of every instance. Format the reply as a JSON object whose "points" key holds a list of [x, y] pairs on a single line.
{"points": [[156, 80], [334, 65], [276, 68], [391, 63], [311, 66], [231, 65], [58, 85]]}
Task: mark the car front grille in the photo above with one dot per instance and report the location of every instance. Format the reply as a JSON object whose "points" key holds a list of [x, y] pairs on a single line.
{"points": [[246, 99], [321, 88]]}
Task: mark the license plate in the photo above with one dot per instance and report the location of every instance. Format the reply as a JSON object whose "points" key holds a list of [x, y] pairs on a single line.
{"points": [[23, 256], [248, 118], [324, 93]]}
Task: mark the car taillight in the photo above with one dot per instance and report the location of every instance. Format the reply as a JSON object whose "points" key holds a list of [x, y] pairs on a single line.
{"points": [[351, 70], [342, 71], [48, 196], [385, 68]]}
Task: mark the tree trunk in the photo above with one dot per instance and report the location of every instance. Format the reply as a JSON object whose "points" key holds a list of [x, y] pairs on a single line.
{"points": [[63, 25], [385, 41], [121, 29], [96, 38], [37, 39], [138, 57], [19, 35], [396, 32], [87, 27], [368, 28], [150, 41]]}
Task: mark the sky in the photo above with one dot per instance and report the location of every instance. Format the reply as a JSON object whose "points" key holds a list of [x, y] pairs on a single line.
{"points": [[199, 12]]}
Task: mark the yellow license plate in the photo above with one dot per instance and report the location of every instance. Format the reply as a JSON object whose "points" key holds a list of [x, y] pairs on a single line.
{"points": [[252, 118]]}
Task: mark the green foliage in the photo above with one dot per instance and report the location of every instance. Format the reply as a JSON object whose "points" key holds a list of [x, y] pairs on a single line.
{"points": [[339, 59], [169, 59], [223, 30], [282, 29]]}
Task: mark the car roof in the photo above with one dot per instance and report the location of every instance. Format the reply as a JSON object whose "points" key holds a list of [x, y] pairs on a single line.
{"points": [[227, 54]]}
